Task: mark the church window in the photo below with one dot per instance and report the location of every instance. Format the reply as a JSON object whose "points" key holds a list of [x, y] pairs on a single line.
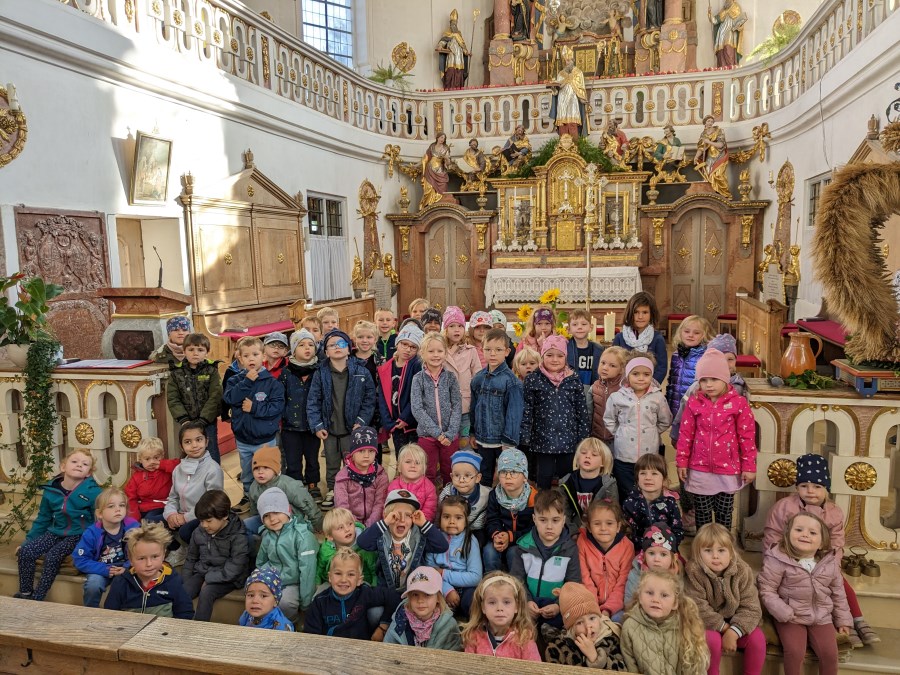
{"points": [[816, 186], [328, 26], [329, 270]]}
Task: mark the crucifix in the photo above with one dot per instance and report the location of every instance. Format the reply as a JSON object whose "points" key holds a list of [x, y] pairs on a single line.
{"points": [[566, 177]]}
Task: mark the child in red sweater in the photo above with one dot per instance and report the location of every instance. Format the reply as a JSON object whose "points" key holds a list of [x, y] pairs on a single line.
{"points": [[150, 482]]}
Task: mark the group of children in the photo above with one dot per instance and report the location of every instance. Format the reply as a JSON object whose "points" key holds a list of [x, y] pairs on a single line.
{"points": [[460, 550]]}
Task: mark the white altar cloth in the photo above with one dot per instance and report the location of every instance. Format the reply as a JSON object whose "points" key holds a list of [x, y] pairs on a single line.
{"points": [[608, 284]]}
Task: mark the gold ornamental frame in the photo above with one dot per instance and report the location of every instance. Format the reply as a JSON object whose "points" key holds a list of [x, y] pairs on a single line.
{"points": [[149, 182]]}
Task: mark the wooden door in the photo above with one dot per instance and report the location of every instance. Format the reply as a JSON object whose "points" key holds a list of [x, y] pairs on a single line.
{"points": [[280, 258], [698, 264], [448, 254], [131, 252]]}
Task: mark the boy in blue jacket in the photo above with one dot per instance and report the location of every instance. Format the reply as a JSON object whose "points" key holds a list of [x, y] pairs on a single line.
{"points": [[341, 398], [257, 404], [100, 553]]}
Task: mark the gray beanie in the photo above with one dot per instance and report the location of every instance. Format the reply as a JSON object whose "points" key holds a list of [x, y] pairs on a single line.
{"points": [[411, 333], [299, 335], [273, 500]]}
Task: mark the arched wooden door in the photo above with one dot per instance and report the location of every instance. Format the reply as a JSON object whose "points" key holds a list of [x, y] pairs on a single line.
{"points": [[448, 253], [698, 264]]}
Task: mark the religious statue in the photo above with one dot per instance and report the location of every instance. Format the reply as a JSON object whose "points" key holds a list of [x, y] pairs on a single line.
{"points": [[389, 271], [792, 276], [474, 166], [612, 45], [517, 150], [357, 280], [539, 31], [518, 13], [653, 14], [728, 30], [453, 59], [569, 99], [711, 159], [614, 143], [770, 257], [434, 171], [668, 148]]}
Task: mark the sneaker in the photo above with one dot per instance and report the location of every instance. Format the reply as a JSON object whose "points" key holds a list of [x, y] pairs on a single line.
{"points": [[328, 502], [24, 596], [315, 493], [242, 506], [866, 633], [855, 642], [176, 557]]}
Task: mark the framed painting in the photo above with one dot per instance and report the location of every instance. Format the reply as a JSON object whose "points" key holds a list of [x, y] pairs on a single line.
{"points": [[150, 177]]}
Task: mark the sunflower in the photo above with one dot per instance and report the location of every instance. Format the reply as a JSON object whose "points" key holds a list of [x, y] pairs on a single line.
{"points": [[524, 312], [562, 330], [518, 329], [549, 297]]}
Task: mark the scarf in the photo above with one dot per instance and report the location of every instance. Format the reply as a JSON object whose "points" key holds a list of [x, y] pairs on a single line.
{"points": [[302, 369], [422, 629], [638, 343], [472, 497], [364, 479], [556, 379], [177, 350], [514, 504], [274, 620]]}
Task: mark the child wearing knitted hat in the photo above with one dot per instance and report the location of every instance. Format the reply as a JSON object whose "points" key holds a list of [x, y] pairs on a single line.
{"points": [[465, 477], [462, 360], [361, 485], [538, 326], [301, 445], [177, 328], [394, 387], [510, 509], [589, 638], [262, 593], [659, 553], [431, 320], [267, 474], [716, 451]]}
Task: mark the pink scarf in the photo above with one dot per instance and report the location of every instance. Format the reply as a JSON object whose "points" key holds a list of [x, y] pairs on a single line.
{"points": [[422, 629], [557, 378], [177, 350], [557, 342]]}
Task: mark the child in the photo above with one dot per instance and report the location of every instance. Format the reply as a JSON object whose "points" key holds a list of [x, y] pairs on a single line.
{"points": [[651, 502], [313, 324], [66, 511], [690, 342], [424, 620], [394, 385], [257, 404], [329, 318], [583, 353], [262, 593], [606, 555], [639, 333], [342, 609], [100, 554], [479, 325], [301, 445], [499, 319], [460, 566], [590, 481], [437, 407], [636, 415], [275, 352], [497, 405], [659, 553], [431, 320], [290, 546], [341, 530], [465, 476], [417, 308], [510, 509], [149, 585], [525, 362], [802, 588], [341, 398], [588, 639], [538, 326], [193, 477], [361, 485], [462, 360], [723, 587], [218, 556], [610, 375], [813, 484], [546, 558], [556, 417], [499, 624], [364, 339], [194, 391], [386, 322], [233, 369], [267, 474], [401, 539], [663, 633], [412, 475], [150, 482], [177, 328], [716, 453]]}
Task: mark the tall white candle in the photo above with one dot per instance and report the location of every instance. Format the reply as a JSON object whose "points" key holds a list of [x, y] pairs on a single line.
{"points": [[609, 326]]}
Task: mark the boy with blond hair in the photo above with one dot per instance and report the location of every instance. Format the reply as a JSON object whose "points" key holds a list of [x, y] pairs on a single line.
{"points": [[386, 344], [151, 481], [329, 318], [341, 530], [313, 324]]}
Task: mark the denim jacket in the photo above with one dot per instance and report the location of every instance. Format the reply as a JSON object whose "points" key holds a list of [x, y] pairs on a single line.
{"points": [[497, 406]]}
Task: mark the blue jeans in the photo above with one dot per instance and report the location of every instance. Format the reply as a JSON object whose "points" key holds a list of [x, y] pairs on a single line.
{"points": [[493, 559], [246, 451], [94, 586], [623, 472]]}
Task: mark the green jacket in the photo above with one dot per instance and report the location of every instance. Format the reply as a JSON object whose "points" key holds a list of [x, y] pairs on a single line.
{"points": [[292, 551], [194, 393], [327, 551], [301, 501], [540, 569]]}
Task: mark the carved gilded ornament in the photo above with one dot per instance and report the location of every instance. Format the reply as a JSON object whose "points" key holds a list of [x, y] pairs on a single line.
{"points": [[404, 57], [658, 231], [782, 473], [861, 476], [129, 10], [84, 433], [784, 185], [746, 228], [13, 126], [228, 258], [404, 238], [130, 436], [265, 58]]}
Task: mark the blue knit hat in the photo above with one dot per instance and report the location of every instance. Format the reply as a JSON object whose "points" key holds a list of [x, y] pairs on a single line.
{"points": [[335, 333], [466, 457], [513, 459], [360, 438], [813, 469], [269, 576], [178, 323]]}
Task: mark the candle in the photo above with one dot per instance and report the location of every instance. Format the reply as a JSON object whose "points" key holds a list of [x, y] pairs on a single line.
{"points": [[771, 176], [609, 326]]}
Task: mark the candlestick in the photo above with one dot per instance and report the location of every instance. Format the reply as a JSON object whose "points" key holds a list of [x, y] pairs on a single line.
{"points": [[609, 326]]}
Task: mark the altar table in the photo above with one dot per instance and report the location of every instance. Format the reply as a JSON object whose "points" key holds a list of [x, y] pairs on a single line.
{"points": [[608, 284]]}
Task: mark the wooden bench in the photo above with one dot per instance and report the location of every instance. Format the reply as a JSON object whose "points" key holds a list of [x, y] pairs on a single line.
{"points": [[726, 323], [672, 323]]}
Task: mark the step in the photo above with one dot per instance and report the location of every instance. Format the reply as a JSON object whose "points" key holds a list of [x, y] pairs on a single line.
{"points": [[879, 597]]}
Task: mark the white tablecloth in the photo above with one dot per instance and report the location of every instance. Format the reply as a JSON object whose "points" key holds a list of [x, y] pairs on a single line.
{"points": [[608, 284]]}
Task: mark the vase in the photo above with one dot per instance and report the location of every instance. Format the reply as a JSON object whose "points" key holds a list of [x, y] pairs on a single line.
{"points": [[18, 354], [799, 356]]}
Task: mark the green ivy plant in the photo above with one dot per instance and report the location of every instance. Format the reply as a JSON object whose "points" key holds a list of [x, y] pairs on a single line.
{"points": [[809, 379], [589, 153], [25, 321], [39, 420]]}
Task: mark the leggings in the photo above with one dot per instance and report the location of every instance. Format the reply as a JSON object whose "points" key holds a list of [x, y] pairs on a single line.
{"points": [[753, 645], [721, 504], [550, 466], [54, 550], [821, 638], [855, 609]]}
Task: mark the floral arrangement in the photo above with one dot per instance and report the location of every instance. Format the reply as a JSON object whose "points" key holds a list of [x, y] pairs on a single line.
{"points": [[549, 297]]}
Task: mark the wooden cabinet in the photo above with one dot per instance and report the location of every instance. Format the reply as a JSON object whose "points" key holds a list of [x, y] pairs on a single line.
{"points": [[759, 327]]}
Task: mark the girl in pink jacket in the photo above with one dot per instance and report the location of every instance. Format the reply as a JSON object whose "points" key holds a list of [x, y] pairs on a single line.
{"points": [[813, 484], [499, 624], [412, 465], [801, 586], [361, 486], [462, 360], [716, 453]]}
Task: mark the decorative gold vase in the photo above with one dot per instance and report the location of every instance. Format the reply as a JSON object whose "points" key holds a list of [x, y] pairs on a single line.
{"points": [[799, 357]]}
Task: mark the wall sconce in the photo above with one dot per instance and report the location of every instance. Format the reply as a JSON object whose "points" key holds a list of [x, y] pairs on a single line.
{"points": [[771, 180]]}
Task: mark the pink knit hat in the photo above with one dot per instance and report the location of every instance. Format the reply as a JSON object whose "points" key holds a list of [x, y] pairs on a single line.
{"points": [[554, 342], [713, 364], [637, 362], [453, 315]]}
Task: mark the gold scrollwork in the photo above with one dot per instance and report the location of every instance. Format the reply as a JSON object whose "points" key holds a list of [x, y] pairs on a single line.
{"points": [[714, 252], [463, 258], [658, 231], [861, 476], [280, 258], [746, 226], [250, 191], [84, 433], [711, 307], [684, 252], [228, 258], [481, 229], [743, 335], [130, 436], [782, 473], [404, 57], [756, 349], [404, 238], [436, 259]]}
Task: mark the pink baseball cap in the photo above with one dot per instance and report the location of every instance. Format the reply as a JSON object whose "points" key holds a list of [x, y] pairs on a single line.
{"points": [[424, 579]]}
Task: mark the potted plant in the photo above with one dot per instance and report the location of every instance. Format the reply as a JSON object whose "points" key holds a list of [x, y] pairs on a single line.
{"points": [[25, 321]]}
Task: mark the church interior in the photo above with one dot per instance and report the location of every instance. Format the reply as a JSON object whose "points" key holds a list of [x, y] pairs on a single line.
{"points": [[246, 163]]}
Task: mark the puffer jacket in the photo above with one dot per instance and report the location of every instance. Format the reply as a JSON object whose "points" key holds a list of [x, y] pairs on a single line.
{"points": [[148, 490], [297, 381], [793, 595], [682, 373], [292, 551], [65, 515], [736, 381], [730, 598], [605, 573], [86, 555], [653, 648], [640, 514], [787, 508], [509, 648], [266, 395], [601, 390], [444, 633], [436, 404], [636, 423], [194, 393], [717, 437], [555, 419], [365, 503], [424, 491], [464, 363], [561, 649], [220, 558], [359, 401]]}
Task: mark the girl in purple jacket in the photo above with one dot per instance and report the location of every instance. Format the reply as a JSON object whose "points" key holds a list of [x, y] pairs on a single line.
{"points": [[361, 484]]}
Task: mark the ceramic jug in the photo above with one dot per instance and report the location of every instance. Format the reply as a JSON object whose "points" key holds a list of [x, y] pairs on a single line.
{"points": [[799, 357]]}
